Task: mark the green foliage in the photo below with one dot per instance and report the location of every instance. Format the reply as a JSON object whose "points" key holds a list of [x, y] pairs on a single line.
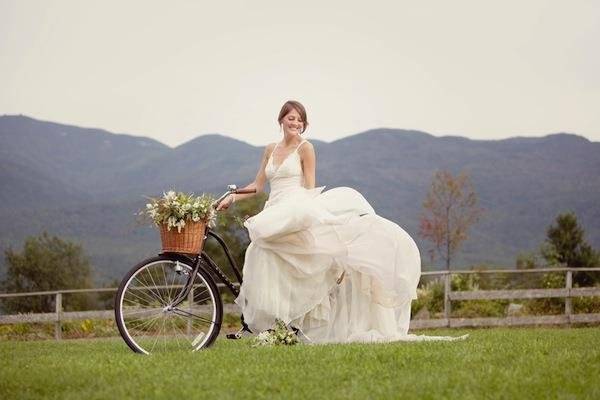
{"points": [[586, 305], [565, 245], [46, 263], [553, 280], [545, 306], [417, 304], [548, 306], [87, 328], [462, 282], [529, 280], [527, 261], [479, 308], [431, 296]]}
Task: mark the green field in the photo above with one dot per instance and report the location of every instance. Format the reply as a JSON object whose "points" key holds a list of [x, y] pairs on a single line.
{"points": [[502, 363]]}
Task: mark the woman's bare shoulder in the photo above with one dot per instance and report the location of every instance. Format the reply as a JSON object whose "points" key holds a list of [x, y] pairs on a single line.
{"points": [[306, 145], [269, 149]]}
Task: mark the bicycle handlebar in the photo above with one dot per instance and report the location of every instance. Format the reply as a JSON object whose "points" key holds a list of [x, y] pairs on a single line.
{"points": [[243, 191], [231, 189]]}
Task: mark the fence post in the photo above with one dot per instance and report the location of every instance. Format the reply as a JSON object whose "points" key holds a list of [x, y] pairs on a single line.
{"points": [[447, 306], [568, 303], [57, 324]]}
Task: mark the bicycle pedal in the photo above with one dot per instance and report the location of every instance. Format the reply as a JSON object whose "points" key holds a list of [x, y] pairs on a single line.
{"points": [[233, 336], [239, 334]]}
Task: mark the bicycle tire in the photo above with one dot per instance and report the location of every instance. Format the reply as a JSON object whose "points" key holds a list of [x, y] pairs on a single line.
{"points": [[204, 277]]}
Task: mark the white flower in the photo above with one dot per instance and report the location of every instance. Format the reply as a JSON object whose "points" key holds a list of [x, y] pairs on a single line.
{"points": [[170, 195], [174, 208]]}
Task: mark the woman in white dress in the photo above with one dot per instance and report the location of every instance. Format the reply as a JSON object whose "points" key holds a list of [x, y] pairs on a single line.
{"points": [[323, 261]]}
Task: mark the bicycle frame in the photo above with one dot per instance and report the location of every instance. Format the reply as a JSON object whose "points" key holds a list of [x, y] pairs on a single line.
{"points": [[210, 267]]}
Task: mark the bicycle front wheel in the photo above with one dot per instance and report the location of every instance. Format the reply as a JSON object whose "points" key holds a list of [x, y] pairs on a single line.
{"points": [[148, 318]]}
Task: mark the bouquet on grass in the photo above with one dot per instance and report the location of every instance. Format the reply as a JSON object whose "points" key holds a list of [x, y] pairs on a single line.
{"points": [[279, 335], [189, 213]]}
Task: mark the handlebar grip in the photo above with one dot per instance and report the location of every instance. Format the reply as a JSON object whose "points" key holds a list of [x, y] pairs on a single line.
{"points": [[244, 191]]}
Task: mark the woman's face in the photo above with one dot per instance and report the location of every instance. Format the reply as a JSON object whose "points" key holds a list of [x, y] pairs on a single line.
{"points": [[292, 123]]}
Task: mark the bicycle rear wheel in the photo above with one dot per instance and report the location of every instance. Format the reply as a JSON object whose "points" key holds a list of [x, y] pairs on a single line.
{"points": [[145, 313]]}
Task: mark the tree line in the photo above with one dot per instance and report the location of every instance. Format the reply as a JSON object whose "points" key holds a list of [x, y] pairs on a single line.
{"points": [[450, 209]]}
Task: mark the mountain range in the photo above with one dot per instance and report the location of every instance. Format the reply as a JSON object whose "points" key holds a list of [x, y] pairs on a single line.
{"points": [[86, 184]]}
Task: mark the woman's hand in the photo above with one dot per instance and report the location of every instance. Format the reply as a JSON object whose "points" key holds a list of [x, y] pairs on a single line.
{"points": [[227, 201]]}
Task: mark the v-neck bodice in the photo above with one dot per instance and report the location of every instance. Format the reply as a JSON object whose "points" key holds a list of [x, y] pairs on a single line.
{"points": [[287, 176]]}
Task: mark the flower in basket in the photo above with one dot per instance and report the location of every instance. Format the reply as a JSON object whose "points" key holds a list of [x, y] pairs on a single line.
{"points": [[174, 209]]}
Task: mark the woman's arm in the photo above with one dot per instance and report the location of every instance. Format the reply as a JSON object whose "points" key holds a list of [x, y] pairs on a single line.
{"points": [[259, 181], [309, 161]]}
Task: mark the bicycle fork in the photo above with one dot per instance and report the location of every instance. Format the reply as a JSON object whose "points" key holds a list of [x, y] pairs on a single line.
{"points": [[180, 298]]}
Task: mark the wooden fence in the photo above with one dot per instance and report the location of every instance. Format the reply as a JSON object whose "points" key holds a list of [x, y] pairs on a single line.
{"points": [[568, 292]]}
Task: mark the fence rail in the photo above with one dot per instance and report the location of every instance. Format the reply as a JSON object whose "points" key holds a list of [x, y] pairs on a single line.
{"points": [[568, 292]]}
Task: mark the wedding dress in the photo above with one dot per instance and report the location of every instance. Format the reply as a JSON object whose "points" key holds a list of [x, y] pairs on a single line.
{"points": [[327, 264]]}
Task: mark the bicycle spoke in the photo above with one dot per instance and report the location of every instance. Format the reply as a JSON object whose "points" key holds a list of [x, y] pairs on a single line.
{"points": [[175, 330], [174, 273], [182, 334], [149, 289], [148, 297], [168, 288], [186, 340], [140, 298], [197, 294], [146, 318], [155, 317], [204, 299], [147, 325], [183, 313], [155, 341], [156, 286], [131, 320]]}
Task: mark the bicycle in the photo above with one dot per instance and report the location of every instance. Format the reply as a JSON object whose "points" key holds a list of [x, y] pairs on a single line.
{"points": [[171, 301]]}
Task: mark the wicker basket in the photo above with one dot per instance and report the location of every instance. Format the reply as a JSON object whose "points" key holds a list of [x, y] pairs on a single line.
{"points": [[189, 241]]}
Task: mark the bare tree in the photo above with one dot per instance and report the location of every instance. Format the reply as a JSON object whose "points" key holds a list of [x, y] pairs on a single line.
{"points": [[449, 209]]}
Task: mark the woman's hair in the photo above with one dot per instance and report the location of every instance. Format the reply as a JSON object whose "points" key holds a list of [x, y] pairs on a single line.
{"points": [[294, 105]]}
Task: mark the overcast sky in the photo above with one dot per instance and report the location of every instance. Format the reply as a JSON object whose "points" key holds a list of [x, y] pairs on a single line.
{"points": [[173, 70]]}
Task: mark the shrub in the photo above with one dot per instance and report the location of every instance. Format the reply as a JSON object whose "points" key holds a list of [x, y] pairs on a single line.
{"points": [[479, 308], [586, 305]]}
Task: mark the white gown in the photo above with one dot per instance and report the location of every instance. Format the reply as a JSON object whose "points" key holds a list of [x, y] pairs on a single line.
{"points": [[324, 262]]}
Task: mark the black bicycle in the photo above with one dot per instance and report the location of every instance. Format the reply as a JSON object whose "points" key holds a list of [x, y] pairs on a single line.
{"points": [[172, 302]]}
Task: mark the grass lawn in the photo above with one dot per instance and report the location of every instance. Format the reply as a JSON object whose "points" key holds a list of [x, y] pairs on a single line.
{"points": [[503, 363]]}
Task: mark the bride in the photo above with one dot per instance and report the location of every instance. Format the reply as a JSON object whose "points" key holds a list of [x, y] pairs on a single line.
{"points": [[323, 261]]}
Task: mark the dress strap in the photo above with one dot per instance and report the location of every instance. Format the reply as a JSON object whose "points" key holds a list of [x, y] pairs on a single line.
{"points": [[300, 144], [273, 151], [277, 144]]}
